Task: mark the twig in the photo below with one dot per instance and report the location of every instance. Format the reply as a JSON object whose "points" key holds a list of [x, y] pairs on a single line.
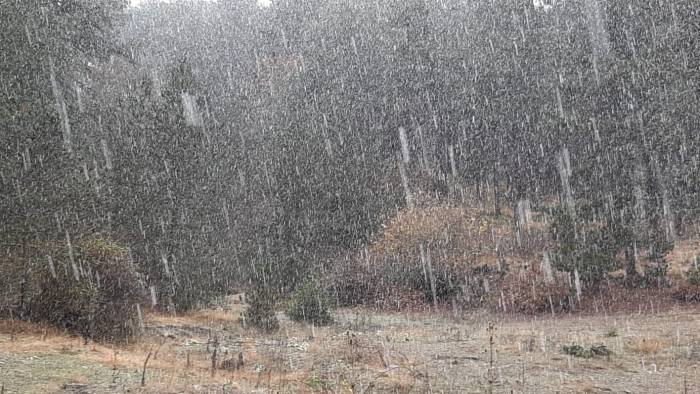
{"points": [[213, 356], [155, 354], [490, 375], [145, 364], [114, 359]]}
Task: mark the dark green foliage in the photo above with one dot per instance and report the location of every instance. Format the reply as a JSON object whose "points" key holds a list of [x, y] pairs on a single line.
{"points": [[301, 103], [445, 281], [310, 304], [89, 288], [656, 275], [586, 247], [693, 276], [44, 113], [589, 352], [261, 310]]}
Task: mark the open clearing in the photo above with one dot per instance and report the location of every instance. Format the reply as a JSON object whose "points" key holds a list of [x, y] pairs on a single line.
{"points": [[367, 352]]}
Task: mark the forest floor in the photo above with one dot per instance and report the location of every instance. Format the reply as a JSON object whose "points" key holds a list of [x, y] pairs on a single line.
{"points": [[653, 351]]}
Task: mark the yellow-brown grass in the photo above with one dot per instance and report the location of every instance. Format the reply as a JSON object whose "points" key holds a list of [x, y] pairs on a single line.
{"points": [[167, 357], [417, 355], [647, 346], [197, 317]]}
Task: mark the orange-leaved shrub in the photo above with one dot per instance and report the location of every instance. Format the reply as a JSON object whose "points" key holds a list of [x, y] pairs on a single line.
{"points": [[530, 291], [689, 289]]}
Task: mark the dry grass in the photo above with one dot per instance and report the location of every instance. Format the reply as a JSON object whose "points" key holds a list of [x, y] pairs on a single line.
{"points": [[389, 352], [215, 317], [14, 327], [647, 346]]}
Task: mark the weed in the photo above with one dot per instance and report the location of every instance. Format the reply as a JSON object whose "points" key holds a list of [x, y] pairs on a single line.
{"points": [[587, 352], [612, 332], [310, 304]]}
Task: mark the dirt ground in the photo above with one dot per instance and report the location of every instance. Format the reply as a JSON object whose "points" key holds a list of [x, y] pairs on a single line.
{"points": [[367, 352]]}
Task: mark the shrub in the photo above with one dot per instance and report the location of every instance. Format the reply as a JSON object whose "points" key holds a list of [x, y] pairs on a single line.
{"points": [[693, 276], [530, 292], [388, 284], [689, 290], [352, 284], [586, 247], [655, 276], [587, 352], [432, 249], [261, 310], [93, 293], [310, 304], [443, 276], [612, 332], [475, 290]]}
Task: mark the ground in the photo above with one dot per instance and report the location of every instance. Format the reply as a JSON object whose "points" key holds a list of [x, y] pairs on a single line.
{"points": [[367, 351]]}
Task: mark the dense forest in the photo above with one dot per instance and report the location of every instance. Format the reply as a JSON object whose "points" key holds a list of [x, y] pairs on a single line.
{"points": [[229, 146]]}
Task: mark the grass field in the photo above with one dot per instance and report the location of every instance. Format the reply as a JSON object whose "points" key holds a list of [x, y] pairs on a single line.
{"points": [[367, 352]]}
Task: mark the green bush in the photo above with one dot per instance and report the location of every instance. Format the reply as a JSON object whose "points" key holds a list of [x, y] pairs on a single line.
{"points": [[587, 352], [93, 293], [310, 304], [586, 247], [261, 310], [693, 276]]}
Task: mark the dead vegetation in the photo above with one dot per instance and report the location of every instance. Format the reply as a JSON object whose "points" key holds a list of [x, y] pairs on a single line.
{"points": [[439, 252], [368, 351], [531, 292]]}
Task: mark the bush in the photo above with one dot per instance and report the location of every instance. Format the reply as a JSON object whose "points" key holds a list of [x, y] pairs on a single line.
{"points": [[693, 276], [529, 292], [444, 279], [93, 293], [586, 247], [311, 305], [587, 352], [352, 284], [388, 284], [689, 291], [435, 246], [261, 310]]}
